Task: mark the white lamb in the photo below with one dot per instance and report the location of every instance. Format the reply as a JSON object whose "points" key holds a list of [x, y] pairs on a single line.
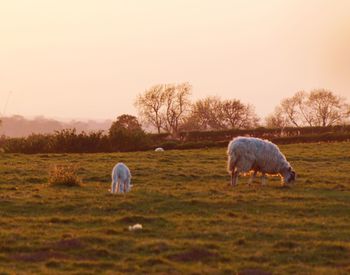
{"points": [[247, 154], [121, 178], [159, 149]]}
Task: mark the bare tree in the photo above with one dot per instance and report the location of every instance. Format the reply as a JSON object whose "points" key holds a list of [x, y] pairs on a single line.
{"points": [[165, 106], [238, 115], [150, 105], [177, 105], [205, 114], [305, 113], [318, 108], [212, 113], [277, 119], [290, 107], [327, 109]]}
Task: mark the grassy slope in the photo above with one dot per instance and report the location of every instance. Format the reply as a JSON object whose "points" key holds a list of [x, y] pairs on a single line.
{"points": [[193, 221]]}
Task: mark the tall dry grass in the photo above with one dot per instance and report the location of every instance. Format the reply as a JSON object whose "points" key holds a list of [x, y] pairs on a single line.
{"points": [[64, 175]]}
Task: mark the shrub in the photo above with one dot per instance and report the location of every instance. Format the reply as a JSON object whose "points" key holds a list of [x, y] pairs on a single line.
{"points": [[64, 175]]}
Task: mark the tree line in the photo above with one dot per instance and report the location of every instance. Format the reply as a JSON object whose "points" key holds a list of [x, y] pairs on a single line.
{"points": [[168, 108], [319, 107], [318, 115]]}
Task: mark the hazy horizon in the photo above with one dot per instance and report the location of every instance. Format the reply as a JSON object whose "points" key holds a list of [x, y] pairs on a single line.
{"points": [[89, 59]]}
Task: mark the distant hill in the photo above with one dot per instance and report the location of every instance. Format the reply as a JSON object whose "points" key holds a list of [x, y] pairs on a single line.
{"points": [[19, 126]]}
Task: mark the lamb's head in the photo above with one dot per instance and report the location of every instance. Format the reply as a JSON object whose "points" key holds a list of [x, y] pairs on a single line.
{"points": [[289, 175]]}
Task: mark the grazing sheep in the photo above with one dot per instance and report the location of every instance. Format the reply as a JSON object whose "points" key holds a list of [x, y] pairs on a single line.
{"points": [[159, 149], [121, 178], [247, 154]]}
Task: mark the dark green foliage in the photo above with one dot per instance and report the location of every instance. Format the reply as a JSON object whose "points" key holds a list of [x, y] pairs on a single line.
{"points": [[126, 134], [64, 141]]}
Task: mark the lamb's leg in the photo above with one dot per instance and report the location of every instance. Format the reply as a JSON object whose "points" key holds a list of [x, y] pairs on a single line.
{"points": [[114, 183], [127, 184], [120, 190], [122, 186], [118, 186]]}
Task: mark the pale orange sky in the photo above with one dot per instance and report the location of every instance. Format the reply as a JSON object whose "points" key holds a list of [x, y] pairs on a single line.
{"points": [[89, 58]]}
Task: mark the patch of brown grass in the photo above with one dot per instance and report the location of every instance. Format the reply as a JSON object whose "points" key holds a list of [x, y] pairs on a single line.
{"points": [[194, 255], [254, 272], [37, 256], [68, 244]]}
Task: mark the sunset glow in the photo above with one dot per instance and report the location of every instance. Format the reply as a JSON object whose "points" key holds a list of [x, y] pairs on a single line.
{"points": [[90, 59]]}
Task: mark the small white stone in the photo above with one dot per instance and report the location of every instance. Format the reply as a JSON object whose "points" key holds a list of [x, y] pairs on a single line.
{"points": [[135, 227]]}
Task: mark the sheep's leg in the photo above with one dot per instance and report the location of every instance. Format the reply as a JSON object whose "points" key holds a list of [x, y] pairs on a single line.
{"points": [[234, 178], [283, 182], [263, 180], [252, 178]]}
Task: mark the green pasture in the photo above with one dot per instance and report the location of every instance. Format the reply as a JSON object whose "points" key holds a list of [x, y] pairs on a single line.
{"points": [[193, 221]]}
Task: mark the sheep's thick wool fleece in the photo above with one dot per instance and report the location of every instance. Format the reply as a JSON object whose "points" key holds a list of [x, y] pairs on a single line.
{"points": [[247, 153]]}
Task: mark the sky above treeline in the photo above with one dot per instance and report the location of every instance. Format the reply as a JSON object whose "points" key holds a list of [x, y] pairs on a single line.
{"points": [[90, 59]]}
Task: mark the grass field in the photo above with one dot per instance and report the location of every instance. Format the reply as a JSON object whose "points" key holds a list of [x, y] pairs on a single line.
{"points": [[193, 221]]}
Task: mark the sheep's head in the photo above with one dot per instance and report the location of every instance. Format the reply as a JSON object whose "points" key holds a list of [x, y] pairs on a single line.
{"points": [[289, 176]]}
